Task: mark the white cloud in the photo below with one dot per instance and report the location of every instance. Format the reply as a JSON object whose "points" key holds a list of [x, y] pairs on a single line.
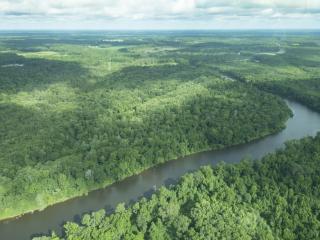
{"points": [[160, 10], [267, 11], [183, 6]]}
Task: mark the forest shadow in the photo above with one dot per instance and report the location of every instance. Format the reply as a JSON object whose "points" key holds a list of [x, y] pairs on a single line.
{"points": [[35, 41], [285, 60], [230, 47], [26, 74], [305, 91], [135, 77]]}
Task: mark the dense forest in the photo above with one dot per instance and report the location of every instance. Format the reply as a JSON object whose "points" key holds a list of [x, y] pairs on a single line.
{"points": [[81, 112], [275, 198]]}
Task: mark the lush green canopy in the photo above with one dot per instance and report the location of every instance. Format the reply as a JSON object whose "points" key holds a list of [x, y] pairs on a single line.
{"points": [[78, 112], [276, 198]]}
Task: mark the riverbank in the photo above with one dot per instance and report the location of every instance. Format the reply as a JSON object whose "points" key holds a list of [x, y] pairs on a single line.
{"points": [[220, 202], [132, 188], [140, 171]]}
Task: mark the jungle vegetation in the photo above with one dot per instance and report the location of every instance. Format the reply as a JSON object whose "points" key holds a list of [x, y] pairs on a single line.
{"points": [[275, 198], [81, 111]]}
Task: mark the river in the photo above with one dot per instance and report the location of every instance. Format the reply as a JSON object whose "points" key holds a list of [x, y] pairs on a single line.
{"points": [[305, 122]]}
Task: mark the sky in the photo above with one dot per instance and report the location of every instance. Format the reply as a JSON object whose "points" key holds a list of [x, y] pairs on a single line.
{"points": [[159, 14]]}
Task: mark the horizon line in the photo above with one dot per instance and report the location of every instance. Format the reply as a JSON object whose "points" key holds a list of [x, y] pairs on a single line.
{"points": [[157, 29]]}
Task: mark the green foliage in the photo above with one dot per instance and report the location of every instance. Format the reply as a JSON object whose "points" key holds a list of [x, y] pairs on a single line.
{"points": [[275, 198], [79, 112], [305, 91]]}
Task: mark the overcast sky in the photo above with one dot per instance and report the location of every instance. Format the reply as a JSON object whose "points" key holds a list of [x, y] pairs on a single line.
{"points": [[159, 14]]}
